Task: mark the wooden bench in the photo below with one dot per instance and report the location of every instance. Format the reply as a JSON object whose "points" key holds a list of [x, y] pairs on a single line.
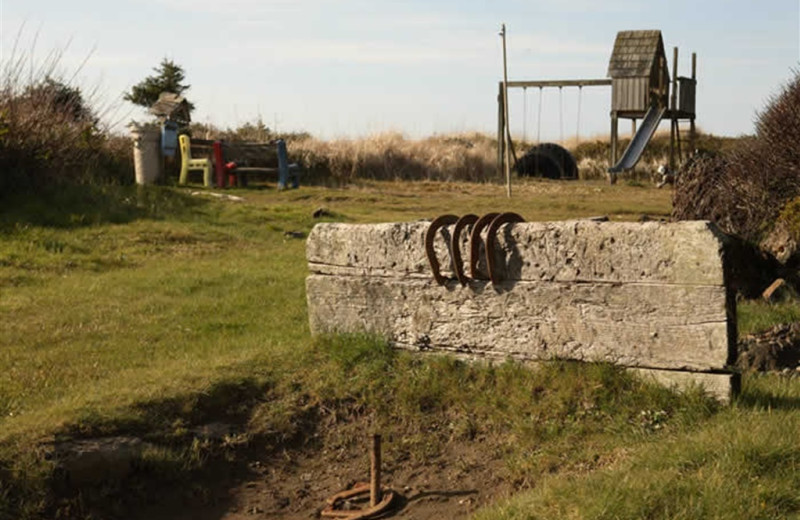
{"points": [[235, 162]]}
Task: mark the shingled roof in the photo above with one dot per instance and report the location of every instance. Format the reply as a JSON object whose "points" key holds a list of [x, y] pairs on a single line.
{"points": [[635, 53], [171, 106]]}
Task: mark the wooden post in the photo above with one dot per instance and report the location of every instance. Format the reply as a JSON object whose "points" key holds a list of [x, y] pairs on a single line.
{"points": [[691, 121], [633, 127], [613, 151], [375, 471], [673, 127], [501, 126], [505, 114]]}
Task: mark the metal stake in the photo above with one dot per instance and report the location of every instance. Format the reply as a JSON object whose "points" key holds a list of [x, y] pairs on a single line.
{"points": [[375, 471]]}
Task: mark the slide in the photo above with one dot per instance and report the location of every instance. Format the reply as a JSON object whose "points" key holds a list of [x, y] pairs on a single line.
{"points": [[640, 140]]}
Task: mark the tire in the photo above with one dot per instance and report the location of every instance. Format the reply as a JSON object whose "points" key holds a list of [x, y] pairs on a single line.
{"points": [[547, 160]]}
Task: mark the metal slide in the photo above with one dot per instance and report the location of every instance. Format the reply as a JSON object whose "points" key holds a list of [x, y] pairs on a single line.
{"points": [[640, 140]]}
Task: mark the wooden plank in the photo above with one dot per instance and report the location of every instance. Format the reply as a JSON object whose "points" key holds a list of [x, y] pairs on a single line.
{"points": [[501, 125], [721, 386], [686, 252], [647, 295], [561, 83], [650, 326]]}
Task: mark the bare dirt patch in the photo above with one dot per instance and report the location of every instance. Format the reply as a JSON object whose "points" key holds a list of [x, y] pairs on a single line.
{"points": [[295, 483]]}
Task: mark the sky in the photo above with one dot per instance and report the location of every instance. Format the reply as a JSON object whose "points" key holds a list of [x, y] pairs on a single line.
{"points": [[350, 68]]}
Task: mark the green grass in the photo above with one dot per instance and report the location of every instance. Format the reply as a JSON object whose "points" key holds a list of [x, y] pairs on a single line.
{"points": [[754, 316], [149, 311], [741, 463]]}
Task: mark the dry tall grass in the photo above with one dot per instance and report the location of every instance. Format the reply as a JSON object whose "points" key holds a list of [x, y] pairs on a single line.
{"points": [[466, 157], [469, 157], [391, 156]]}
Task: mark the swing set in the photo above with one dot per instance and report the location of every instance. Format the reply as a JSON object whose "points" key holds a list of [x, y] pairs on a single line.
{"points": [[503, 129], [641, 88]]}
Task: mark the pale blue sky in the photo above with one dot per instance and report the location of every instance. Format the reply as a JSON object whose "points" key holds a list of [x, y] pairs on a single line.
{"points": [[353, 67]]}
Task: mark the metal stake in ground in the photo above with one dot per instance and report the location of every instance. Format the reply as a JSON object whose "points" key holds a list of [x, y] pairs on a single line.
{"points": [[379, 499], [375, 471]]}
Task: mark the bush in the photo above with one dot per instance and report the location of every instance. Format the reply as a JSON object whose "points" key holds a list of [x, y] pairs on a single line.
{"points": [[50, 133], [744, 188]]}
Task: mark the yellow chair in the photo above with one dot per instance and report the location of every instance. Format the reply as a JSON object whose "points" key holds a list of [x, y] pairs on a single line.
{"points": [[187, 163]]}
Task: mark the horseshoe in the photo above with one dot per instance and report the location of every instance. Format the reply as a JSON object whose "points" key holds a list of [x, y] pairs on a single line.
{"points": [[331, 509], [475, 243], [458, 263], [503, 218], [444, 220]]}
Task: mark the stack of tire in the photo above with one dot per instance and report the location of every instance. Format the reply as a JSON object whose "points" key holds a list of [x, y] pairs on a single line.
{"points": [[547, 160]]}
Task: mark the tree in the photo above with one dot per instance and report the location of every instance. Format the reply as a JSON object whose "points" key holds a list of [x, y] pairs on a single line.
{"points": [[169, 77]]}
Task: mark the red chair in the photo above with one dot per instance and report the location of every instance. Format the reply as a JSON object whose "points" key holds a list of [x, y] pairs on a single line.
{"points": [[222, 168]]}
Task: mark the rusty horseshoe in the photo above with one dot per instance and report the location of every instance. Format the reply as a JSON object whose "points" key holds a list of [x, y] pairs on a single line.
{"points": [[475, 245], [503, 218], [455, 243], [430, 235], [331, 509]]}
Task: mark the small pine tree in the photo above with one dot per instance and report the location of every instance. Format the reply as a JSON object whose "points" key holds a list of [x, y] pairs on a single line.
{"points": [[169, 77]]}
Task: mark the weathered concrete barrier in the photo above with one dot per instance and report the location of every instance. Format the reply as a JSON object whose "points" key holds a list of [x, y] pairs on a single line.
{"points": [[651, 296]]}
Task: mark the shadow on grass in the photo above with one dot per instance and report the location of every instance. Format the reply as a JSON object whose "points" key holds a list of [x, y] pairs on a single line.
{"points": [[764, 399], [70, 206], [196, 447], [769, 391]]}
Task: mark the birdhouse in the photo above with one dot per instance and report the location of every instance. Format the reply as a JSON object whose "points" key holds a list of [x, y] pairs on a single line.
{"points": [[171, 107], [638, 72]]}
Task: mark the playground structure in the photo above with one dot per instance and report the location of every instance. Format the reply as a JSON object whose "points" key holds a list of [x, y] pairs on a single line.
{"points": [[641, 89]]}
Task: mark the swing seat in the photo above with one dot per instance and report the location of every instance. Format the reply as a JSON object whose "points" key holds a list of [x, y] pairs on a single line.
{"points": [[188, 163]]}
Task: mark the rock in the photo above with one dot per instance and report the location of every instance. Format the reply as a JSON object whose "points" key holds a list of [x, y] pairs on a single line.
{"points": [[780, 244], [89, 461]]}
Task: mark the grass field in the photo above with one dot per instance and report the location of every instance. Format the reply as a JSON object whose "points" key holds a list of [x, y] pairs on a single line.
{"points": [[148, 311]]}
